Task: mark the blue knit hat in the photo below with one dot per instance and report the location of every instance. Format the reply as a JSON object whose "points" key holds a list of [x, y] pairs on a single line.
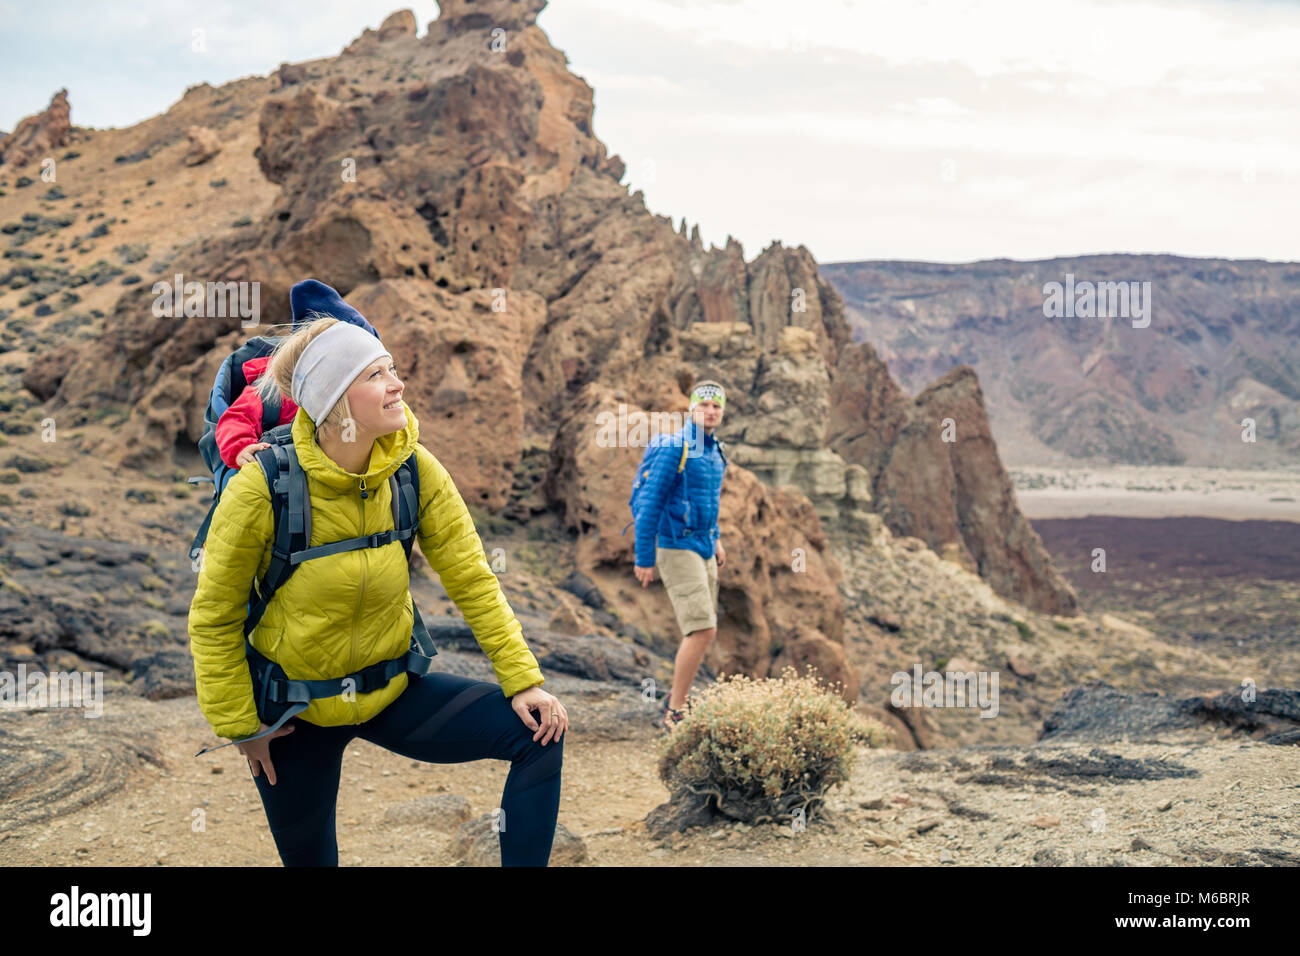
{"points": [[312, 295]]}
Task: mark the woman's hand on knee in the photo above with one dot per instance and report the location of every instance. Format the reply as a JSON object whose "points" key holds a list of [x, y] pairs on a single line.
{"points": [[554, 719], [258, 751]]}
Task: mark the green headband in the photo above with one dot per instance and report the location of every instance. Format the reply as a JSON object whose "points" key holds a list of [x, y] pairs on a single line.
{"points": [[708, 392]]}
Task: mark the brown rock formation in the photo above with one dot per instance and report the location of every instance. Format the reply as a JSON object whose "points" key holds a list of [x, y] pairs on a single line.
{"points": [[46, 371], [35, 136], [952, 494], [780, 288], [398, 24], [461, 15], [204, 144], [461, 363], [570, 617]]}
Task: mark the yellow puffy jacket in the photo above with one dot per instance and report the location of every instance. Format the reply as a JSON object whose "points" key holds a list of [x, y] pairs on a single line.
{"points": [[342, 612]]}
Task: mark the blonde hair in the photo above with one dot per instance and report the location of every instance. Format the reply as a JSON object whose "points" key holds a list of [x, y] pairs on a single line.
{"points": [[278, 377]]}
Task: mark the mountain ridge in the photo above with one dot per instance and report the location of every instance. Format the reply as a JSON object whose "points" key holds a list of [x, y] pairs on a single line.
{"points": [[1099, 391]]}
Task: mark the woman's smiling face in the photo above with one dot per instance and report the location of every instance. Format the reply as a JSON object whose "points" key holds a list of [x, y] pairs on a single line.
{"points": [[375, 397]]}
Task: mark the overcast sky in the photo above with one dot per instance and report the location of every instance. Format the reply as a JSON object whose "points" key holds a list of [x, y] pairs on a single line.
{"points": [[946, 131]]}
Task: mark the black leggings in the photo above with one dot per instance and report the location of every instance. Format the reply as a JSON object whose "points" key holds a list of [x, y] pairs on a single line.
{"points": [[439, 718]]}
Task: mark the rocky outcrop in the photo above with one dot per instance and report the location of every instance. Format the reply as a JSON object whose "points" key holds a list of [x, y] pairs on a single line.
{"points": [[463, 15], [935, 474], [776, 414], [398, 24], [43, 376], [780, 288], [1098, 712], [462, 368], [204, 144], [37, 135], [65, 599]]}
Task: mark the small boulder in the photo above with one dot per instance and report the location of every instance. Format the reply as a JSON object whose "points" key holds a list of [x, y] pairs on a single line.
{"points": [[570, 617], [439, 811], [678, 815], [204, 144], [478, 843], [398, 24], [1018, 666]]}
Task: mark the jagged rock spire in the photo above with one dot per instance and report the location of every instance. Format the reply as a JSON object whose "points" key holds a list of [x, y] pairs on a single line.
{"points": [[484, 14]]}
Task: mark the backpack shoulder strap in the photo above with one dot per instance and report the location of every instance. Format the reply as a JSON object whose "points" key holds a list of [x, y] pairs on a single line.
{"points": [[405, 486], [291, 508], [271, 412]]}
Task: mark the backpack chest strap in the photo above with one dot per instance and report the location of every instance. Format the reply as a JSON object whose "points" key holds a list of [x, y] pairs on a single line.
{"points": [[376, 540]]}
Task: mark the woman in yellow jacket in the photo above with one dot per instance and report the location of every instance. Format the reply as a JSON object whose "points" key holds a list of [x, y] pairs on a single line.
{"points": [[342, 612]]}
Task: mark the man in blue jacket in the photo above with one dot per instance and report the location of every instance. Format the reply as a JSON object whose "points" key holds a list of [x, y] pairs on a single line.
{"points": [[677, 532]]}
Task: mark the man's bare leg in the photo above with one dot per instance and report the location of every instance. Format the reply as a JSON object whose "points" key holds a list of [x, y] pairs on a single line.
{"points": [[689, 656]]}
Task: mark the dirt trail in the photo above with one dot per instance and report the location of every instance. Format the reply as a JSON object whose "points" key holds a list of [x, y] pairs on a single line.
{"points": [[1227, 801]]}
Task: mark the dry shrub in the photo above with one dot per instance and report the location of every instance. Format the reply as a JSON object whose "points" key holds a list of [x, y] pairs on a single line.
{"points": [[761, 749]]}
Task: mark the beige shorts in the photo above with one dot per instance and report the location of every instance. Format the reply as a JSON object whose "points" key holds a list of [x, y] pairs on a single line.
{"points": [[692, 586]]}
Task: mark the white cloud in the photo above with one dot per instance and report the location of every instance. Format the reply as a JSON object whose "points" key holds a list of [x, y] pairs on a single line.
{"points": [[600, 81], [1060, 138], [1072, 126], [1117, 44], [1067, 126], [930, 106]]}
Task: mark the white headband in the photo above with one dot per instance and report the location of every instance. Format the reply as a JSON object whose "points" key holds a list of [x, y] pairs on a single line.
{"points": [[328, 365]]}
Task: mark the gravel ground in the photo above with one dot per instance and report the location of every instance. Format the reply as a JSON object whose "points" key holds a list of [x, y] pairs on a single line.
{"points": [[1195, 798]]}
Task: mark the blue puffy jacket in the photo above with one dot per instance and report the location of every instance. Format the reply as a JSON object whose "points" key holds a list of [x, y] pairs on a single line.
{"points": [[662, 502]]}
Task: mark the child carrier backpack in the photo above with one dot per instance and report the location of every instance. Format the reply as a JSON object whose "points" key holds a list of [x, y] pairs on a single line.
{"points": [[643, 471], [279, 698], [227, 387]]}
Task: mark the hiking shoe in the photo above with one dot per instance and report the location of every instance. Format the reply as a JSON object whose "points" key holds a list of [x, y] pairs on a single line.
{"points": [[672, 718]]}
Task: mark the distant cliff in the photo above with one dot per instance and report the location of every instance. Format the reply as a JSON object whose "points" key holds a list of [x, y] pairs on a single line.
{"points": [[1221, 346]]}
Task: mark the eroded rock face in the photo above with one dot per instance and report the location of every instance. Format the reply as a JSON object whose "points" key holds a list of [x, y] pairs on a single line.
{"points": [[486, 14], [430, 188], [43, 375], [778, 589], [780, 288], [35, 136], [935, 475], [776, 414], [461, 362], [398, 25]]}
